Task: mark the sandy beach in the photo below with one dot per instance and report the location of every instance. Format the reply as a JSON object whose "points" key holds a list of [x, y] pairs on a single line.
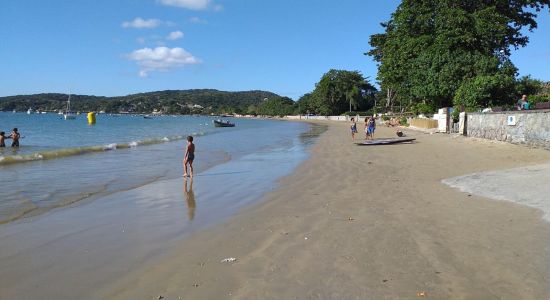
{"points": [[366, 223]]}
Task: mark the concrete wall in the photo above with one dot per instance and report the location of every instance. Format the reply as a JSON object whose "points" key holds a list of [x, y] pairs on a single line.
{"points": [[518, 127], [324, 118]]}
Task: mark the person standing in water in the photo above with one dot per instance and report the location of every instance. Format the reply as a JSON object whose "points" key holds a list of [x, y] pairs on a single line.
{"points": [[189, 157], [15, 137]]}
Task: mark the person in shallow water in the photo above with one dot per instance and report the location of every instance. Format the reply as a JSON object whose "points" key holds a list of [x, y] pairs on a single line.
{"points": [[189, 157], [2, 139], [14, 136]]}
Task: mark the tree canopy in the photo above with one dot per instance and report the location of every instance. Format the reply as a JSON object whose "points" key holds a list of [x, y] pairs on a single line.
{"points": [[445, 52], [277, 106], [336, 92]]}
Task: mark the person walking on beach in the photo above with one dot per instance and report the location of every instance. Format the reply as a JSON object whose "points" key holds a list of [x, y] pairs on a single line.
{"points": [[14, 136], [371, 127], [189, 157], [353, 128], [2, 139], [366, 128]]}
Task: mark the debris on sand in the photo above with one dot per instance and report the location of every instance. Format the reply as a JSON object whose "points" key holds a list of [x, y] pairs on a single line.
{"points": [[421, 294]]}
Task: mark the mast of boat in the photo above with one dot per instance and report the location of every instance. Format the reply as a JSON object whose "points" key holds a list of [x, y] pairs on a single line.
{"points": [[69, 104]]}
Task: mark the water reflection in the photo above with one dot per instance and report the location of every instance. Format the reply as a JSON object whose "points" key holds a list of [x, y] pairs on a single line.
{"points": [[190, 198], [309, 137]]}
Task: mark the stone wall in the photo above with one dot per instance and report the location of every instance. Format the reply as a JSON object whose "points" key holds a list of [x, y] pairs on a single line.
{"points": [[531, 127]]}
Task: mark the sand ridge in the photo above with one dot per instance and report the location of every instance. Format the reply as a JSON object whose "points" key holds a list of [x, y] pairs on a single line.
{"points": [[367, 223]]}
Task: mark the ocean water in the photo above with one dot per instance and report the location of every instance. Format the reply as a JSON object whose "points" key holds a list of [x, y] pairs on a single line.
{"points": [[68, 162]]}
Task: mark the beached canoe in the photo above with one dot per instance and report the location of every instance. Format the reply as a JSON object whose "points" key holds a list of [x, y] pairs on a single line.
{"points": [[385, 141]]}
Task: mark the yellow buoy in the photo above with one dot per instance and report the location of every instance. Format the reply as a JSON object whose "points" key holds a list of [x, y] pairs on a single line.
{"points": [[91, 118]]}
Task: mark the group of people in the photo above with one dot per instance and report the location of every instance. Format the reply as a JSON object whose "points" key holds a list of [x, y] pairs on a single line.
{"points": [[370, 127], [14, 136]]}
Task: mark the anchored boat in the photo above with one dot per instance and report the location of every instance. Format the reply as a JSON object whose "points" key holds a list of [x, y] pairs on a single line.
{"points": [[220, 123], [69, 115]]}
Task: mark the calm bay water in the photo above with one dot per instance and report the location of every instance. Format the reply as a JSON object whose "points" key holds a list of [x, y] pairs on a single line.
{"points": [[62, 162]]}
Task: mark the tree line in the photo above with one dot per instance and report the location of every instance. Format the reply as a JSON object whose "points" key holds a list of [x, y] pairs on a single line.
{"points": [[203, 101], [438, 53], [433, 54]]}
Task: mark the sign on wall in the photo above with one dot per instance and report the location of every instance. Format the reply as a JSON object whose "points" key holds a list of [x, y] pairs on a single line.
{"points": [[511, 120]]}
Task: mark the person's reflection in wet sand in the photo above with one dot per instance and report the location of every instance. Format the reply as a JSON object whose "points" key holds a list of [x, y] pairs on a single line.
{"points": [[190, 197]]}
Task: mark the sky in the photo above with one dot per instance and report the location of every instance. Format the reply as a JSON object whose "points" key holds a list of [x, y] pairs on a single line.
{"points": [[120, 47]]}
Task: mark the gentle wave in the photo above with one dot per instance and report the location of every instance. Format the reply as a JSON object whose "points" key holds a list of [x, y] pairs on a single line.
{"points": [[67, 152]]}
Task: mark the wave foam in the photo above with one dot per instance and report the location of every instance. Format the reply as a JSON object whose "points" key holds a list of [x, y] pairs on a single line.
{"points": [[67, 152]]}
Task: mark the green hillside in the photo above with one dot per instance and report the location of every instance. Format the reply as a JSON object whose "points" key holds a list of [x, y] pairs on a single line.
{"points": [[169, 101]]}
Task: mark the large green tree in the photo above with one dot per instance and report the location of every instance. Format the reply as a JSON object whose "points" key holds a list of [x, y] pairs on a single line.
{"points": [[433, 48], [277, 106], [336, 92]]}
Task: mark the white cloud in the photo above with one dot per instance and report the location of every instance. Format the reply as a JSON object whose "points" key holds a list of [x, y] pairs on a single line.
{"points": [[174, 35], [142, 23], [161, 59], [197, 20], [192, 4]]}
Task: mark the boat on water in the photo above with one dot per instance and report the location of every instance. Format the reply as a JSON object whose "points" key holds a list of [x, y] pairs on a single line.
{"points": [[29, 111], [220, 123], [68, 114]]}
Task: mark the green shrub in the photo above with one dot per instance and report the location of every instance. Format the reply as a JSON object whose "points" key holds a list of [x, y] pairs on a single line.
{"points": [[422, 108], [360, 113], [403, 121], [532, 99], [455, 115]]}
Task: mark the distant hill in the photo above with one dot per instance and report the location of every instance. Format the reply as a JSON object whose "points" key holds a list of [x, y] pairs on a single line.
{"points": [[169, 101]]}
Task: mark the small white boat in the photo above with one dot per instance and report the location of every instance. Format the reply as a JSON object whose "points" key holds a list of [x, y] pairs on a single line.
{"points": [[68, 115], [29, 111], [14, 111]]}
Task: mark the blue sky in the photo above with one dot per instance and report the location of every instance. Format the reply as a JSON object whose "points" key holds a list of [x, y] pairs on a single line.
{"points": [[109, 48]]}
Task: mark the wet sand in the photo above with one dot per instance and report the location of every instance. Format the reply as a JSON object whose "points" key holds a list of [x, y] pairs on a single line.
{"points": [[370, 222]]}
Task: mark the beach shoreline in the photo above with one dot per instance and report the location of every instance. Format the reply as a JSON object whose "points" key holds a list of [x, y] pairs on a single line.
{"points": [[71, 251], [366, 223], [348, 223]]}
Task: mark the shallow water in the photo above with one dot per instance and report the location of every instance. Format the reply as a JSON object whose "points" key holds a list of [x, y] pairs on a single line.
{"points": [[71, 161], [70, 253]]}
